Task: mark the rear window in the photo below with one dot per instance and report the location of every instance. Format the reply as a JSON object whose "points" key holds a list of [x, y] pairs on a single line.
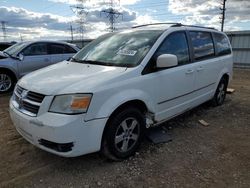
{"points": [[56, 49], [203, 44], [222, 44], [69, 50]]}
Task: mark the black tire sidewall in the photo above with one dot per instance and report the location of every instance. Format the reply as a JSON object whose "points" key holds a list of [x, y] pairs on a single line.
{"points": [[112, 128], [13, 82], [216, 102]]}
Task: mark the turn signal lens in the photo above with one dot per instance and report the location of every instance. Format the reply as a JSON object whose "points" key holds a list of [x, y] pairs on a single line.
{"points": [[80, 103]]}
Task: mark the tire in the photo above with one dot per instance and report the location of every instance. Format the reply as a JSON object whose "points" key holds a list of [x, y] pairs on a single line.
{"points": [[7, 82], [220, 94], [123, 134]]}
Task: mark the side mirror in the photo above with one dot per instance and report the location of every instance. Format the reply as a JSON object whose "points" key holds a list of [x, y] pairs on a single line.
{"points": [[20, 57], [166, 61]]}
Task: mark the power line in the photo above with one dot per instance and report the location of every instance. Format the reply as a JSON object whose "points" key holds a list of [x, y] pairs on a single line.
{"points": [[148, 4], [112, 14], [223, 9]]}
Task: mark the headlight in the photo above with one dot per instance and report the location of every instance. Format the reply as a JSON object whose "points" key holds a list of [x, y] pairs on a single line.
{"points": [[71, 104]]}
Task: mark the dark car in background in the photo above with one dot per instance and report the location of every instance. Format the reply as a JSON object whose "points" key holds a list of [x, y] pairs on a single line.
{"points": [[5, 45]]}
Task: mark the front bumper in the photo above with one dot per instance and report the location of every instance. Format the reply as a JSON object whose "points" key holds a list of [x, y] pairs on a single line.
{"points": [[83, 137]]}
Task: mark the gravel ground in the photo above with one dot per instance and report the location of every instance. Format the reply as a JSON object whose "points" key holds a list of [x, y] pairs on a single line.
{"points": [[217, 155]]}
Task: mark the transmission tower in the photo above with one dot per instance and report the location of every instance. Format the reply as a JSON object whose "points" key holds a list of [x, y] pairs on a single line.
{"points": [[81, 13], [3, 23], [112, 14], [223, 10]]}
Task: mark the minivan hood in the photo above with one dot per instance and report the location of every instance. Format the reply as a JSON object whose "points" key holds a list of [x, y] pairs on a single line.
{"points": [[69, 77]]}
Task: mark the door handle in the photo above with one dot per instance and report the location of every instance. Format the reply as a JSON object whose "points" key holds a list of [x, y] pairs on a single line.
{"points": [[200, 69], [189, 71]]}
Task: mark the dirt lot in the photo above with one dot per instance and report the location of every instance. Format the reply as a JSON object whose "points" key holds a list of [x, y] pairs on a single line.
{"points": [[214, 156]]}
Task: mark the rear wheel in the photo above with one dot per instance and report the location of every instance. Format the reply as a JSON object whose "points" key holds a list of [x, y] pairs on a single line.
{"points": [[7, 82], [123, 134], [220, 93]]}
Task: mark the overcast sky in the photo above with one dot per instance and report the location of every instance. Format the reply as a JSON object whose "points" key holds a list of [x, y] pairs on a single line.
{"points": [[51, 19]]}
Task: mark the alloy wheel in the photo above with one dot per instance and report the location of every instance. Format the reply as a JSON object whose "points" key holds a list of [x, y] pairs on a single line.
{"points": [[5, 82], [221, 93], [127, 134]]}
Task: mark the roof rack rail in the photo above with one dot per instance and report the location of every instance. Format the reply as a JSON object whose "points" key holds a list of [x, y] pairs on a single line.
{"points": [[170, 23], [179, 24]]}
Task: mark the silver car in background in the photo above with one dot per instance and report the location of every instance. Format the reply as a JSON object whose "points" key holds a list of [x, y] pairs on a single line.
{"points": [[25, 57]]}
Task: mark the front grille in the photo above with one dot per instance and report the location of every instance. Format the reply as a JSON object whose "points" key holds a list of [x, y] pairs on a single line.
{"points": [[26, 101], [30, 107], [35, 97]]}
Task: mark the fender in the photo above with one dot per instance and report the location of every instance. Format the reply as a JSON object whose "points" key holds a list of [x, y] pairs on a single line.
{"points": [[116, 100], [225, 70], [10, 69]]}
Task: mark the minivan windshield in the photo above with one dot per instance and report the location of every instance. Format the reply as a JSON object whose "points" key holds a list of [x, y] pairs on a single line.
{"points": [[118, 49], [15, 49]]}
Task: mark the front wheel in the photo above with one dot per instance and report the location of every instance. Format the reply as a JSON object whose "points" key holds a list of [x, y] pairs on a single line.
{"points": [[123, 134], [220, 93], [7, 82]]}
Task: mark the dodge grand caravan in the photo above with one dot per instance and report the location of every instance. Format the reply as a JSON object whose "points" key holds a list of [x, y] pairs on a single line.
{"points": [[105, 97]]}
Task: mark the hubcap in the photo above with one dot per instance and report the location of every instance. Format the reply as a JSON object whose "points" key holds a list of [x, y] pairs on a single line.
{"points": [[221, 93], [127, 134], [5, 82]]}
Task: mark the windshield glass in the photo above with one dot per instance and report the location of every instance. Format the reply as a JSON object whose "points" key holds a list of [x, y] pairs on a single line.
{"points": [[15, 49], [119, 49]]}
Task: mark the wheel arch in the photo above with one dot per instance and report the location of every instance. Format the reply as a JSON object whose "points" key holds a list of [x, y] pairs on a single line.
{"points": [[225, 73], [13, 73], [139, 104], [226, 77]]}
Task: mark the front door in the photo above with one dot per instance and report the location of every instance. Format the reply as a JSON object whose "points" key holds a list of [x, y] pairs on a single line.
{"points": [[174, 85], [35, 57]]}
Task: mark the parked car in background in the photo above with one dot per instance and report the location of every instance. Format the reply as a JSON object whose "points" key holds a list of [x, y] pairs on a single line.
{"points": [[25, 57], [120, 84], [5, 45]]}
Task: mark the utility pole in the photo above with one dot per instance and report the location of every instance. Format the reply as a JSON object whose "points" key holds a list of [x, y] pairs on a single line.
{"points": [[21, 37], [223, 9], [112, 15], [71, 32], [3, 23]]}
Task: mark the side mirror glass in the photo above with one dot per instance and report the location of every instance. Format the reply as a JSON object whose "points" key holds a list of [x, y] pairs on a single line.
{"points": [[20, 57], [166, 61]]}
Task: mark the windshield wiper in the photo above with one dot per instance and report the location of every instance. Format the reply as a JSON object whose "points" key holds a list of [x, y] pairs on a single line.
{"points": [[98, 63], [76, 60]]}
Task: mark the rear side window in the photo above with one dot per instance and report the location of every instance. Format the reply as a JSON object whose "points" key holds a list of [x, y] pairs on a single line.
{"points": [[203, 44], [36, 49], [176, 44], [56, 49], [69, 50], [222, 44]]}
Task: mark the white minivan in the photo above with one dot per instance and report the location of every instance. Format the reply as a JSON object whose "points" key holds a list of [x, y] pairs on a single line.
{"points": [[105, 97]]}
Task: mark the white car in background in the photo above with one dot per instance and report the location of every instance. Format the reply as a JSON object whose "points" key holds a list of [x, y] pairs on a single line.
{"points": [[119, 85], [25, 57]]}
